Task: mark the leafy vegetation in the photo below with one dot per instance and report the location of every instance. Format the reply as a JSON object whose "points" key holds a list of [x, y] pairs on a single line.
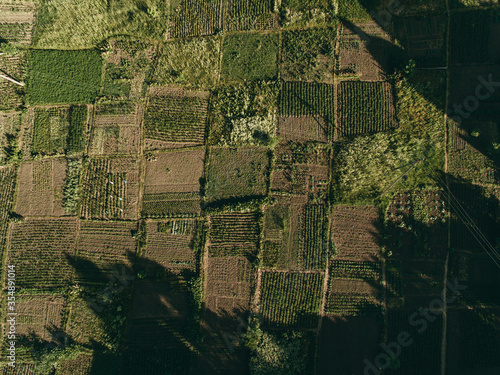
{"points": [[63, 76], [71, 187]]}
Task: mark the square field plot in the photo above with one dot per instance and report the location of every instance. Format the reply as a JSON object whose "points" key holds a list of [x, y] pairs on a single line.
{"points": [[175, 118], [251, 15], [171, 245], [39, 315], [308, 55], [250, 57], [356, 233], [111, 189], [235, 234], [365, 107], [63, 76], [228, 289], [57, 130], [104, 249], [172, 184], [291, 299], [424, 38], [475, 37], [237, 173], [195, 17], [40, 191], [128, 63], [40, 249], [116, 129], [353, 297], [307, 111]]}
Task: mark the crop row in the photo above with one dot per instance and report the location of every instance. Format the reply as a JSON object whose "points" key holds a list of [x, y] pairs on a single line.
{"points": [[234, 228], [250, 15], [291, 299], [176, 119], [171, 205], [365, 107], [8, 184], [313, 237], [307, 99], [195, 18], [355, 270], [15, 32], [351, 305]]}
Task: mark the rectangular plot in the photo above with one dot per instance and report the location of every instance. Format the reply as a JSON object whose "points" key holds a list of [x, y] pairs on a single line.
{"points": [[251, 15], [291, 299], [365, 107], [41, 249], [195, 18]]}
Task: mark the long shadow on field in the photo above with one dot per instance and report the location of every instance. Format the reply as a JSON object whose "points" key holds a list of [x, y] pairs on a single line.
{"points": [[422, 37]]}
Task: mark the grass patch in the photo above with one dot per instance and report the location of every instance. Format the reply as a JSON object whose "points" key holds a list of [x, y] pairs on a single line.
{"points": [[189, 63], [63, 76], [72, 24], [250, 57]]}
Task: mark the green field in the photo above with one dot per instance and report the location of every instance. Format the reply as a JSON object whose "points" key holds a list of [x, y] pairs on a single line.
{"points": [[63, 76]]}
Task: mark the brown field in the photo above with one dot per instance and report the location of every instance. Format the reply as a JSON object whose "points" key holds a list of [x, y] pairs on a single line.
{"points": [[20, 369], [116, 134], [302, 129], [39, 315], [301, 170], [368, 62], [169, 246], [40, 191], [355, 232], [353, 287], [111, 189], [104, 248], [172, 183], [40, 249], [81, 365]]}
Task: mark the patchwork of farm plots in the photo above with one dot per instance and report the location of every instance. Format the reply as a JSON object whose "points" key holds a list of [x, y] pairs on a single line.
{"points": [[257, 183]]}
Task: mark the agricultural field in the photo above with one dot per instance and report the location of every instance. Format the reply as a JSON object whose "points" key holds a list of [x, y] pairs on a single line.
{"points": [[56, 77], [59, 130], [192, 63], [424, 38], [40, 249], [110, 188], [158, 339], [298, 13], [250, 15], [172, 184], [127, 68], [115, 129], [474, 37], [195, 18], [244, 114], [234, 174], [365, 107], [41, 184], [291, 299], [250, 57], [356, 233], [10, 125], [301, 169], [308, 55], [171, 246], [40, 315], [234, 234], [8, 177], [306, 111], [16, 28], [175, 118], [81, 365], [103, 249]]}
